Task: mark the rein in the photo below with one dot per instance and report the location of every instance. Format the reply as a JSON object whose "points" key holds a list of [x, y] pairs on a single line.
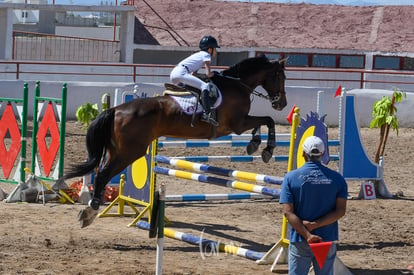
{"points": [[254, 91]]}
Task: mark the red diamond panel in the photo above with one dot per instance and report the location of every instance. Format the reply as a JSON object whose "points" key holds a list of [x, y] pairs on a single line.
{"points": [[48, 155], [7, 158]]}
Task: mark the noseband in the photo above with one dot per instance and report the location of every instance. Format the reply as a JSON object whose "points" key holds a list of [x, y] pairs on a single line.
{"points": [[272, 99]]}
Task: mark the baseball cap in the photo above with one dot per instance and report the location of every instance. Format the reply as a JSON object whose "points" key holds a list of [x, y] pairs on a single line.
{"points": [[313, 146]]}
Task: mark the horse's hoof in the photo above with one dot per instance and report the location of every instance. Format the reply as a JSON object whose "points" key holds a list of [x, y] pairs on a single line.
{"points": [[252, 147], [86, 216], [266, 156]]}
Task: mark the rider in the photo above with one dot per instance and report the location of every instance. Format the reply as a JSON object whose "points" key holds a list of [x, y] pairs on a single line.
{"points": [[183, 73]]}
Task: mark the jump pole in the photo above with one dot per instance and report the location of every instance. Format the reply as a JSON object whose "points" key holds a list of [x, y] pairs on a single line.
{"points": [[204, 243], [160, 233], [198, 167], [215, 197], [211, 143], [234, 158], [229, 158], [218, 181], [233, 137]]}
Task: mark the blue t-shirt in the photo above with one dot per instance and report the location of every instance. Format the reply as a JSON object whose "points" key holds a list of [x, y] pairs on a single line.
{"points": [[313, 190]]}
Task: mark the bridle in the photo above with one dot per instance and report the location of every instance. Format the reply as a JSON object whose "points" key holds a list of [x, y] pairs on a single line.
{"points": [[254, 92], [272, 99]]}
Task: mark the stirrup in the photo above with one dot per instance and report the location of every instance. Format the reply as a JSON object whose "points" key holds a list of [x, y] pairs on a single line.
{"points": [[207, 118]]}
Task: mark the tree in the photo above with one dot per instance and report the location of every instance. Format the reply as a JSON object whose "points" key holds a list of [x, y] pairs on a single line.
{"points": [[384, 117], [88, 112]]}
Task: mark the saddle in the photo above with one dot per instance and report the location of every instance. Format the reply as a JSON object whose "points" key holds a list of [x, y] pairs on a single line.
{"points": [[171, 89]]}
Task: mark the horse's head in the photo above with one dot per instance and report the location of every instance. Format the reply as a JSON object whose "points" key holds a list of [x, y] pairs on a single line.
{"points": [[274, 84], [256, 71]]}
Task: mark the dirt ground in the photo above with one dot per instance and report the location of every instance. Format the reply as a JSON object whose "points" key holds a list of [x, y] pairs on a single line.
{"points": [[376, 236]]}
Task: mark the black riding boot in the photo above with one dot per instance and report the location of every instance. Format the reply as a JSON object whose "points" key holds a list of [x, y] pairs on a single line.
{"points": [[206, 115]]}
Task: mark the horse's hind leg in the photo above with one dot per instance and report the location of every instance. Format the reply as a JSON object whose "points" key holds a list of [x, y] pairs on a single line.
{"points": [[254, 142], [87, 215]]}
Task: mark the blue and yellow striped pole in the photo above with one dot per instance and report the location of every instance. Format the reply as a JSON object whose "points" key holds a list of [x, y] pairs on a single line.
{"points": [[218, 181], [198, 167], [206, 243]]}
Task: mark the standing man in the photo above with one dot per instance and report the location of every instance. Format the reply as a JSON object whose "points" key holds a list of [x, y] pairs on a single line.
{"points": [[313, 199]]}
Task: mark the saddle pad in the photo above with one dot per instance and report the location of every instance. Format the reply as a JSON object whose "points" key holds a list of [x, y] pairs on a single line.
{"points": [[187, 104]]}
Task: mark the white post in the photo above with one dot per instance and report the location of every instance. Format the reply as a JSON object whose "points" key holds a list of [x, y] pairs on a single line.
{"points": [[320, 106], [160, 239]]}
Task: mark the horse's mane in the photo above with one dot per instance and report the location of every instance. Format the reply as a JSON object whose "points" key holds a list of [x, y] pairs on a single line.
{"points": [[247, 66]]}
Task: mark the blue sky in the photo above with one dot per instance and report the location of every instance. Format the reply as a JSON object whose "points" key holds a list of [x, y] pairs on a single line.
{"points": [[339, 2]]}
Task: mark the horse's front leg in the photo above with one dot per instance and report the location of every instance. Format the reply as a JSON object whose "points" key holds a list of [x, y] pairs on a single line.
{"points": [[255, 122], [267, 152], [254, 143]]}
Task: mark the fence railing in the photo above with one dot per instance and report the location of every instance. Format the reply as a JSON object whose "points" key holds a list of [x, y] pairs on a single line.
{"points": [[47, 47], [151, 73]]}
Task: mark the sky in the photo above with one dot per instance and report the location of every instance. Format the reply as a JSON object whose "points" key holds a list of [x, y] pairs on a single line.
{"points": [[339, 2]]}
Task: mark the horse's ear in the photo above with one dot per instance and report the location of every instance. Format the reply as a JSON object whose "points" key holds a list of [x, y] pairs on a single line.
{"points": [[280, 61], [283, 61]]}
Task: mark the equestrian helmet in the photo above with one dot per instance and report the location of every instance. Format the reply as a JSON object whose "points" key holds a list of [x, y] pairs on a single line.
{"points": [[207, 42]]}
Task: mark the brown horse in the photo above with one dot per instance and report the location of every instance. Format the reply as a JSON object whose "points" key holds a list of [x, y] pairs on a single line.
{"points": [[121, 135]]}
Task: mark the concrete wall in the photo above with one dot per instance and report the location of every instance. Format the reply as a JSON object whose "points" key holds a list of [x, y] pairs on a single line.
{"points": [[303, 97], [3, 26], [6, 32], [89, 32], [174, 56]]}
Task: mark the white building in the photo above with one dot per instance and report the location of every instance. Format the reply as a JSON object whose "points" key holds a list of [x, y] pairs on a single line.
{"points": [[25, 16]]}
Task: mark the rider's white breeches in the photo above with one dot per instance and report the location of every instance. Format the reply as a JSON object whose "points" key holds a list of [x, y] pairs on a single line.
{"points": [[180, 75]]}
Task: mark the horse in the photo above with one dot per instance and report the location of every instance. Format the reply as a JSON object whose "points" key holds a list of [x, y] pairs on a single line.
{"points": [[120, 135]]}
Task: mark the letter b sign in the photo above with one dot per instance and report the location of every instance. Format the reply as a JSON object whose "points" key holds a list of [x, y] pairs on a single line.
{"points": [[369, 190]]}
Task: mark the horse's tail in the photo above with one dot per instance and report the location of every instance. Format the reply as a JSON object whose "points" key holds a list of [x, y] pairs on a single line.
{"points": [[98, 138]]}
